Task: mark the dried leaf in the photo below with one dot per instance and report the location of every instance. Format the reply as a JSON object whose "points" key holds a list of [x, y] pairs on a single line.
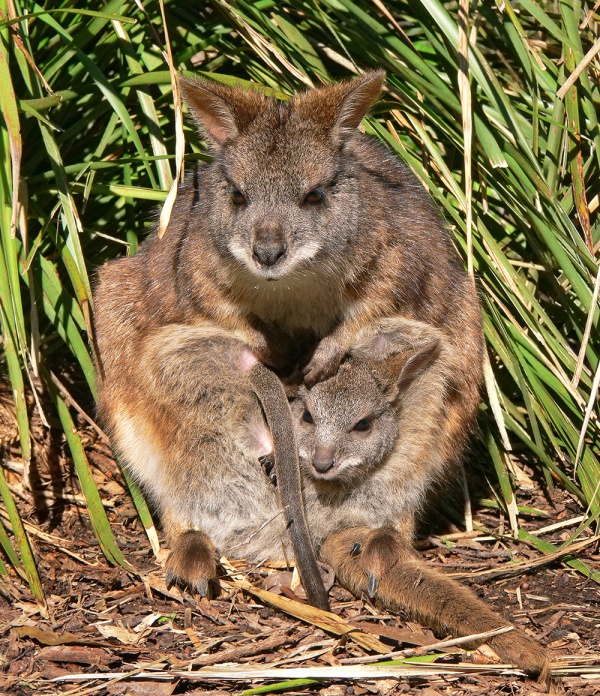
{"points": [[122, 634], [79, 654], [51, 638]]}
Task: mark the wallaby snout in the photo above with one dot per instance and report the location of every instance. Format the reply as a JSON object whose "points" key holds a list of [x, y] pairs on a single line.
{"points": [[269, 246], [323, 458]]}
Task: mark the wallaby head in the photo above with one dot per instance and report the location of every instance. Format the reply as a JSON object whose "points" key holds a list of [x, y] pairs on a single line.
{"points": [[348, 424], [284, 194]]}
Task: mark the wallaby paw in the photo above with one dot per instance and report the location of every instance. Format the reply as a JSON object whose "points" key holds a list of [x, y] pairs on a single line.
{"points": [[362, 556], [192, 562], [324, 363], [524, 652], [267, 461], [378, 555]]}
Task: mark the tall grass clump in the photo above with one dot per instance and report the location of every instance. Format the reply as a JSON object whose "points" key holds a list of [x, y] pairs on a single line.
{"points": [[493, 105]]}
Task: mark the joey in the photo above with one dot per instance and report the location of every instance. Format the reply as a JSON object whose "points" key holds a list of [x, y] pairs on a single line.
{"points": [[367, 436], [367, 448]]}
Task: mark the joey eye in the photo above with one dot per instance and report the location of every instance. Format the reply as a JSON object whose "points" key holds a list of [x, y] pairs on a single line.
{"points": [[363, 425], [313, 197], [307, 417], [238, 198]]}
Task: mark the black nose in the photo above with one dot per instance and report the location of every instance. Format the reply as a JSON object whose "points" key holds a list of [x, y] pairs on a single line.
{"points": [[323, 460], [269, 254]]}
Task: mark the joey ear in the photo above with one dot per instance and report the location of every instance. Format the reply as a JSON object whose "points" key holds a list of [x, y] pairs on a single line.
{"points": [[341, 107], [392, 335], [418, 361], [220, 111], [399, 369]]}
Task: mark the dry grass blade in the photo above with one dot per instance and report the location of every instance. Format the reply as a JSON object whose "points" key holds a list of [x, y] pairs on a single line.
{"points": [[582, 65], [165, 213], [516, 568], [442, 645], [588, 414], [586, 334], [353, 673], [332, 623], [464, 88]]}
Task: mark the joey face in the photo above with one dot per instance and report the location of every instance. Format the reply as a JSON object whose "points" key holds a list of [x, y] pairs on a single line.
{"points": [[345, 426]]}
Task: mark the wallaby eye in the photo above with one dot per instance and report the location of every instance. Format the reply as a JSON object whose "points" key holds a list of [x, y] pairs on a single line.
{"points": [[313, 197], [363, 425], [307, 417], [238, 197]]}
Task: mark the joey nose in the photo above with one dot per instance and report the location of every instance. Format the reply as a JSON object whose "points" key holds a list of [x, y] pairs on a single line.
{"points": [[323, 459], [268, 254]]}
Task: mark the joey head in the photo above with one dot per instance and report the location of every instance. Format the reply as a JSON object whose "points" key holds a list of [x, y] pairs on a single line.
{"points": [[350, 423]]}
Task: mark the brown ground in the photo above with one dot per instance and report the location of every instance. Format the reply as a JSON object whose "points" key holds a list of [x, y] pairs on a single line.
{"points": [[104, 620]]}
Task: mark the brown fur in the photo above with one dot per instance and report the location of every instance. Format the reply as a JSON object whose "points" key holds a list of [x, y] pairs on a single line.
{"points": [[364, 487], [426, 595], [192, 562]]}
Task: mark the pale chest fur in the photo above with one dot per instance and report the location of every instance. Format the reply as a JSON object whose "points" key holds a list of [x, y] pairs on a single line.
{"points": [[296, 304]]}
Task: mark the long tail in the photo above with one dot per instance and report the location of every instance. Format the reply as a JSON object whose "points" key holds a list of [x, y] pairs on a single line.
{"points": [[275, 405]]}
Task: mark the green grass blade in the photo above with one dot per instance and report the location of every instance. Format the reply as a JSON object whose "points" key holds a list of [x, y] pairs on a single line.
{"points": [[23, 545], [98, 518]]}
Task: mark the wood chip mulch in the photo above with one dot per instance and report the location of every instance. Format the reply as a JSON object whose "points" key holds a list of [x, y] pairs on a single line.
{"points": [[126, 633]]}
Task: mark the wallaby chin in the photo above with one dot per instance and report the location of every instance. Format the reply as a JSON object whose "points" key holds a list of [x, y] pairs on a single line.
{"points": [[293, 301]]}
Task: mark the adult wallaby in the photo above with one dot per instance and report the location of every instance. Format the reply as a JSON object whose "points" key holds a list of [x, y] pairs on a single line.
{"points": [[362, 436], [299, 233]]}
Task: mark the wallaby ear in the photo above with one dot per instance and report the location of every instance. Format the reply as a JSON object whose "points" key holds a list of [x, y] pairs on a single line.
{"points": [[396, 372], [398, 350], [221, 112], [341, 107], [359, 99], [418, 361], [392, 335]]}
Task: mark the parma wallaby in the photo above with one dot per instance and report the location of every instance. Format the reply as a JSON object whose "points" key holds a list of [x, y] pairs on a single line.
{"points": [[359, 433], [300, 233]]}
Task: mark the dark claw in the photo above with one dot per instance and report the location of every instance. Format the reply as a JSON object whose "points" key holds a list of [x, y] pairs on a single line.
{"points": [[267, 461], [372, 585], [356, 549], [201, 587]]}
